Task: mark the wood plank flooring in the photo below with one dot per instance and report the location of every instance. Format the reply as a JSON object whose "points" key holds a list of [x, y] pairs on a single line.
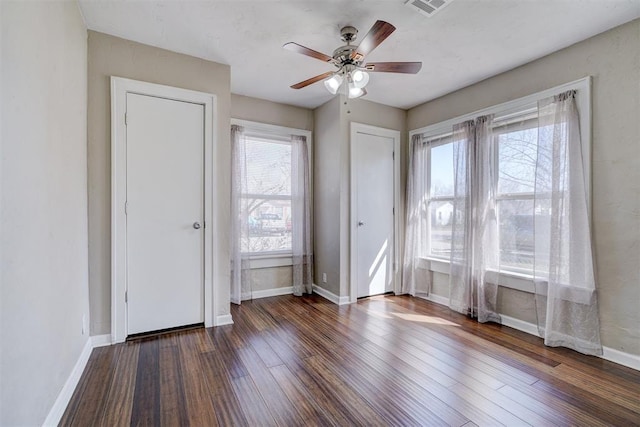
{"points": [[384, 361]]}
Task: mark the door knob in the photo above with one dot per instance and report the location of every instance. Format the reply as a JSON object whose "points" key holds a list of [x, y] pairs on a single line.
{"points": [[196, 225], [360, 223]]}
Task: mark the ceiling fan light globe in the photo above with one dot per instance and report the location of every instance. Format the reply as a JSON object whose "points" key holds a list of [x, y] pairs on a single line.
{"points": [[355, 92], [359, 78], [333, 84]]}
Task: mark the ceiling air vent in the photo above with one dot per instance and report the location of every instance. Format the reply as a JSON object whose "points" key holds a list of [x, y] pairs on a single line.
{"points": [[427, 7]]}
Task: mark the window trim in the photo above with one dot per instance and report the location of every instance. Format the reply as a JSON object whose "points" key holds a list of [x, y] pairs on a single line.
{"points": [[279, 133], [504, 112]]}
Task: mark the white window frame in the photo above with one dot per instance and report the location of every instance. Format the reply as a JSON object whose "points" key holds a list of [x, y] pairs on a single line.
{"points": [[515, 279], [274, 258]]}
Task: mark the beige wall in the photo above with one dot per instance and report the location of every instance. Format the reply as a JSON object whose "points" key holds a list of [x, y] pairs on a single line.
{"points": [[332, 181], [262, 279], [273, 113], [112, 56], [326, 193], [613, 59], [43, 220]]}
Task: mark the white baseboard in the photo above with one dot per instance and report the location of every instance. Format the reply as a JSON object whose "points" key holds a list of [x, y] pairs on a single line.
{"points": [[520, 325], [438, 299], [101, 340], [622, 358], [610, 354], [272, 292], [60, 405], [224, 319], [330, 295]]}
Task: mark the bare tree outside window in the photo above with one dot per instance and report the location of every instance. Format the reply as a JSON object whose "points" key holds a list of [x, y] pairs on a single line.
{"points": [[517, 161]]}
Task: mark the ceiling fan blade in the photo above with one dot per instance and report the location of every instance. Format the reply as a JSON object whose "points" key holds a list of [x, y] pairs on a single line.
{"points": [[376, 35], [295, 47], [312, 80], [394, 67]]}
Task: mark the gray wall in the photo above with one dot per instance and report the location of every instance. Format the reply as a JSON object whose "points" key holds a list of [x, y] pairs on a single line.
{"points": [[332, 181], [613, 59], [112, 56], [327, 139], [43, 220], [273, 113]]}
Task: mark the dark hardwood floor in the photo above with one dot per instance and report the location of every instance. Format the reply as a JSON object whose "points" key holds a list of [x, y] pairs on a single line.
{"points": [[383, 361]]}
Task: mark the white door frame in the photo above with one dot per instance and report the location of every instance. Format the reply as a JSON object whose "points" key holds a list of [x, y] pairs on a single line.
{"points": [[353, 218], [119, 89]]}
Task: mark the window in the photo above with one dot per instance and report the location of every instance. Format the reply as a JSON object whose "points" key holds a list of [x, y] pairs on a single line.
{"points": [[516, 140], [266, 195], [521, 205], [516, 136], [440, 200]]}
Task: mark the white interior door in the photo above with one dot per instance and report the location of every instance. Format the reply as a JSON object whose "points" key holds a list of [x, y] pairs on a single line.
{"points": [[165, 211], [373, 194]]}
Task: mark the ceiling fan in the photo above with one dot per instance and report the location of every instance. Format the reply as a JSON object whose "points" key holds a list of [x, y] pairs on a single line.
{"points": [[348, 59]]}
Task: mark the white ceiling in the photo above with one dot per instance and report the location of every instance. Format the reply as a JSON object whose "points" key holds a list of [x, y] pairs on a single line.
{"points": [[467, 41]]}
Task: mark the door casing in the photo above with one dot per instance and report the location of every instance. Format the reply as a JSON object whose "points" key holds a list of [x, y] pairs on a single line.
{"points": [[353, 217], [119, 89]]}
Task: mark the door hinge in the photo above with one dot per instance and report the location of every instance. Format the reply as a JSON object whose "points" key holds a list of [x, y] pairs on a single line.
{"points": [[126, 208], [393, 155], [126, 296], [126, 122], [394, 211]]}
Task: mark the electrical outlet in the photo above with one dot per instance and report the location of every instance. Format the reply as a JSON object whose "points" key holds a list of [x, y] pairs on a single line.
{"points": [[324, 277]]}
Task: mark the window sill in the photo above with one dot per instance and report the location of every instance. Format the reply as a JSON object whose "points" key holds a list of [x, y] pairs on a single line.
{"points": [[506, 279], [270, 261]]}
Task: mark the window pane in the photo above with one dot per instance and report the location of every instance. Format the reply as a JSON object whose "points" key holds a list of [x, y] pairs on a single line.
{"points": [[268, 167], [441, 214], [516, 234], [517, 161], [267, 196], [442, 170], [269, 225]]}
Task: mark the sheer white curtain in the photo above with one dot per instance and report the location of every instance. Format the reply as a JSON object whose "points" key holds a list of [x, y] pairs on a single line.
{"points": [[566, 299], [474, 240], [240, 285], [416, 281], [301, 244]]}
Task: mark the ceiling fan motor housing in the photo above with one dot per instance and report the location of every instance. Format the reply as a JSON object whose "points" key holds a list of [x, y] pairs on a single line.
{"points": [[348, 34], [342, 55]]}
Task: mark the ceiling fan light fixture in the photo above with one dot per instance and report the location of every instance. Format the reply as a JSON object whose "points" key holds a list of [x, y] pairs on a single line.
{"points": [[356, 92], [360, 78], [333, 83]]}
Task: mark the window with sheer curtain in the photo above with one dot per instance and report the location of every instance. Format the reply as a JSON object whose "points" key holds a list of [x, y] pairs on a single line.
{"points": [[516, 145], [515, 164], [504, 193], [270, 204], [440, 202], [267, 194]]}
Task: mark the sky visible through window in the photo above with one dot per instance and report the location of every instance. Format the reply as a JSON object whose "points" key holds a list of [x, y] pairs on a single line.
{"points": [[442, 170]]}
